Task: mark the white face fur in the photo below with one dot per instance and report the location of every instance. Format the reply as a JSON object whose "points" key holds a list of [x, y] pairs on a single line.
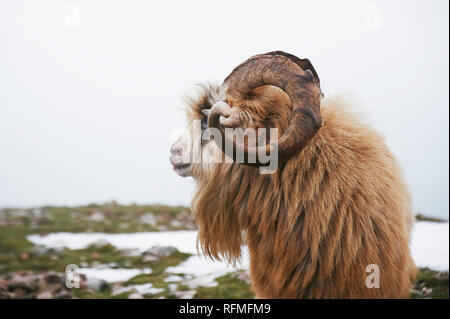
{"points": [[190, 155]]}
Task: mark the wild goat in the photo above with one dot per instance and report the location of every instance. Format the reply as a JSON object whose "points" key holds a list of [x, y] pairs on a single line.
{"points": [[335, 207]]}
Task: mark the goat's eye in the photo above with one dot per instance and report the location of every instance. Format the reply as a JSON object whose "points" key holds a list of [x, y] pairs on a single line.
{"points": [[204, 123]]}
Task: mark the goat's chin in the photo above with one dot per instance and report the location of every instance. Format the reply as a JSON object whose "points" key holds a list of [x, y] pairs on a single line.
{"points": [[183, 170]]}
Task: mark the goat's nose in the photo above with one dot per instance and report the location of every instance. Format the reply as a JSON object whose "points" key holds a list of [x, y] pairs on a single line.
{"points": [[176, 149]]}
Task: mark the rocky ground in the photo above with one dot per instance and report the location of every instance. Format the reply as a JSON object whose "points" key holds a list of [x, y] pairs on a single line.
{"points": [[35, 271]]}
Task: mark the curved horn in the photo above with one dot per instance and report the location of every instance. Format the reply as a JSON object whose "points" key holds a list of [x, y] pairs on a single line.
{"points": [[304, 64], [301, 85]]}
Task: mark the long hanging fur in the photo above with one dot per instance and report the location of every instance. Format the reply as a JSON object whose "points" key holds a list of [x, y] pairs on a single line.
{"points": [[314, 226]]}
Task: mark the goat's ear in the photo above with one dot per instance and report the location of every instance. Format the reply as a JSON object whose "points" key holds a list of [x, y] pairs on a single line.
{"points": [[206, 112]]}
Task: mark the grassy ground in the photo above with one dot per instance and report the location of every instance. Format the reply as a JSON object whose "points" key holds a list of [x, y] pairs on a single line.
{"points": [[18, 254], [109, 218], [230, 286], [430, 284], [421, 217]]}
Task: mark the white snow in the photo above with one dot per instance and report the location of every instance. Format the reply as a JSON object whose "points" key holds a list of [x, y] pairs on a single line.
{"points": [[141, 289], [430, 248], [204, 280], [201, 265], [183, 240], [147, 289], [113, 275], [173, 278], [429, 245]]}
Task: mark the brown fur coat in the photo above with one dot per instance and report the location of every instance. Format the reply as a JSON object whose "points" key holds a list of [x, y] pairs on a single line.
{"points": [[314, 226]]}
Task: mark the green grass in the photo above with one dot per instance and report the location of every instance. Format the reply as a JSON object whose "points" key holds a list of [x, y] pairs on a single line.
{"points": [[17, 253], [421, 217], [12, 260], [117, 218], [229, 287], [436, 281]]}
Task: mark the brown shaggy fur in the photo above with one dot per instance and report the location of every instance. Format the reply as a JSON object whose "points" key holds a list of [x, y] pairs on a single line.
{"points": [[314, 226]]}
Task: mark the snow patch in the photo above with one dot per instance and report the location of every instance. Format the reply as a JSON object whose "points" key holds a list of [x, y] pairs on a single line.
{"points": [[113, 275], [429, 245], [184, 241]]}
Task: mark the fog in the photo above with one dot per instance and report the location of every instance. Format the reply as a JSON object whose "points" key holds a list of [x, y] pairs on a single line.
{"points": [[90, 91]]}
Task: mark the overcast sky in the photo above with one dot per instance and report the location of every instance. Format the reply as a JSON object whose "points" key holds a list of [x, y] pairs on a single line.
{"points": [[90, 90]]}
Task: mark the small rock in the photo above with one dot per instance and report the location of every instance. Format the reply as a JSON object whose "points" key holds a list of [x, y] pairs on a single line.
{"points": [[54, 278], [40, 250], [148, 218], [20, 293], [442, 275], [96, 216], [160, 251], [95, 255], [154, 291], [173, 278], [3, 284], [204, 281], [4, 293], [131, 252], [176, 223], [147, 258], [188, 294], [7, 295], [23, 282], [20, 213], [427, 291], [117, 288], [100, 243], [135, 295], [24, 256], [45, 295], [124, 225], [96, 284], [173, 287], [64, 294], [39, 213]]}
